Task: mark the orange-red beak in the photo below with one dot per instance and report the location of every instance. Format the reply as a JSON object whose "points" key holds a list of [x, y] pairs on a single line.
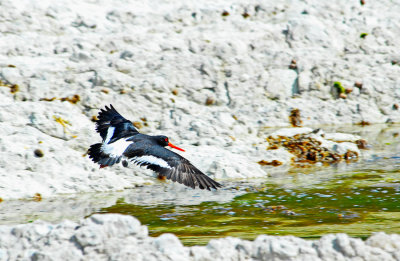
{"points": [[175, 147]]}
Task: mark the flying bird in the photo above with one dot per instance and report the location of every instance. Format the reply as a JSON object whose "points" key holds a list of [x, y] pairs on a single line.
{"points": [[121, 141]]}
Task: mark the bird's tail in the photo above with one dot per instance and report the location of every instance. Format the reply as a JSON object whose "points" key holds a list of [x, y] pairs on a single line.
{"points": [[95, 152], [98, 156]]}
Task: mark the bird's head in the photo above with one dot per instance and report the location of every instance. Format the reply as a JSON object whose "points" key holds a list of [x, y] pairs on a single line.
{"points": [[164, 141]]}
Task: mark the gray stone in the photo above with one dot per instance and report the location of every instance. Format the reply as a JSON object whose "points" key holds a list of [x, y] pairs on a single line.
{"points": [[281, 84], [170, 246], [102, 237]]}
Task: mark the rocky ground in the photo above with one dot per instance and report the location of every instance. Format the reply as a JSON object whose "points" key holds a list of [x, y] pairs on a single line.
{"points": [[100, 237], [210, 75]]}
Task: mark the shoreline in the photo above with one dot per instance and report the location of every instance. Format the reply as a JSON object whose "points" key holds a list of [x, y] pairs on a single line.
{"points": [[101, 237]]}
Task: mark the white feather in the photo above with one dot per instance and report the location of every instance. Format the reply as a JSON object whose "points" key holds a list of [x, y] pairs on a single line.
{"points": [[151, 160], [115, 149], [110, 133]]}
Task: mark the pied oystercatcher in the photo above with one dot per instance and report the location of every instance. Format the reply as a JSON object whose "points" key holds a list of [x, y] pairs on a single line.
{"points": [[121, 141]]}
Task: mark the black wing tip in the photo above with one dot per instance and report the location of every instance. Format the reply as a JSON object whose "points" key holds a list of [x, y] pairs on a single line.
{"points": [[201, 180], [197, 179], [214, 185], [111, 108], [108, 111], [205, 182], [106, 116]]}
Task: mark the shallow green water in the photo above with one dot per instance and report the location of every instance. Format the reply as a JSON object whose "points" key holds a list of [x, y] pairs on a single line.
{"points": [[357, 199], [357, 203]]}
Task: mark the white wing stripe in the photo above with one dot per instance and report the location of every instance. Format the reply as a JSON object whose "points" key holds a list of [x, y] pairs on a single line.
{"points": [[110, 133], [151, 160]]}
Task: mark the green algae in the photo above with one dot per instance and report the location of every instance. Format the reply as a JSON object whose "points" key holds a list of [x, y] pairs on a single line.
{"points": [[339, 87], [357, 203]]}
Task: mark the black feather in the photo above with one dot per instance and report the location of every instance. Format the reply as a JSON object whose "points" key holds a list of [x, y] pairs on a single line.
{"points": [[109, 117], [173, 167]]}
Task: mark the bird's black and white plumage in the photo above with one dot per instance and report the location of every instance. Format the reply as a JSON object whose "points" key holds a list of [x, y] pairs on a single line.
{"points": [[122, 142]]}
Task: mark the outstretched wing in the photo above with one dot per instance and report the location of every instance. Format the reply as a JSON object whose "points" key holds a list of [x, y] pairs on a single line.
{"points": [[184, 172], [112, 126], [173, 166]]}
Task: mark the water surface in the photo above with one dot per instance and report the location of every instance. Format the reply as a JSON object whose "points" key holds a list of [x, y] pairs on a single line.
{"points": [[354, 198], [357, 198]]}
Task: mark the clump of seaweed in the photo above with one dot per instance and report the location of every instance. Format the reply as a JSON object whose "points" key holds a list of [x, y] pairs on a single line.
{"points": [[274, 163], [295, 118], [14, 88], [137, 124], [64, 123], [37, 197], [308, 150], [225, 13], [144, 119], [363, 123], [210, 101], [73, 99]]}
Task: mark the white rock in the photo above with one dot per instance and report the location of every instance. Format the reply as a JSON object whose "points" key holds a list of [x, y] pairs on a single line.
{"points": [[170, 246], [290, 132], [389, 243], [341, 137], [105, 238], [281, 84], [344, 147]]}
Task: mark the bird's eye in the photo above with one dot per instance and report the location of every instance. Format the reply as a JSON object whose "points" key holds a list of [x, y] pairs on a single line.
{"points": [[166, 139]]}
